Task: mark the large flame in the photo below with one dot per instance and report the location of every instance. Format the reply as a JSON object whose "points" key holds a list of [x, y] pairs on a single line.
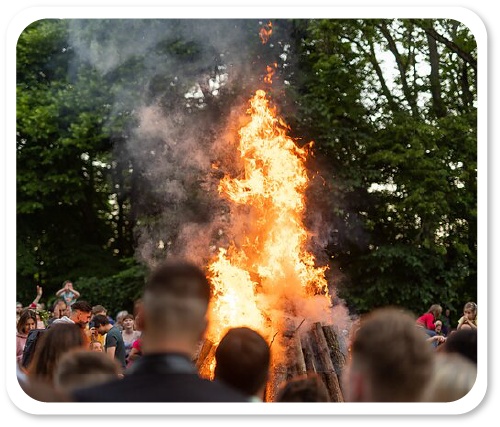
{"points": [[260, 281]]}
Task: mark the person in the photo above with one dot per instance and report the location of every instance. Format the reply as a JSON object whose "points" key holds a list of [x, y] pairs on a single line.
{"points": [[114, 345], [242, 361], [135, 353], [173, 320], [19, 308], [453, 377], [129, 335], [390, 361], [26, 323], [79, 314], [445, 318], [463, 342], [308, 388], [79, 368], [119, 319], [68, 293], [96, 346], [59, 339], [59, 309], [427, 320], [469, 319], [438, 327]]}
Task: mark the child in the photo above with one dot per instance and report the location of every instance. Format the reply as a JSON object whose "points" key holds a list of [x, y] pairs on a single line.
{"points": [[96, 346], [68, 294], [428, 319], [469, 319]]}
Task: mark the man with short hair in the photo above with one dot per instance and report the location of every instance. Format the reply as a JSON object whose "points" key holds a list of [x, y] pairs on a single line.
{"points": [[242, 362], [390, 360], [173, 320], [114, 344], [79, 314]]}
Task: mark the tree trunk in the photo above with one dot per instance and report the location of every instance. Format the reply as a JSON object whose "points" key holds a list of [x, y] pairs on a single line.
{"points": [[437, 101]]}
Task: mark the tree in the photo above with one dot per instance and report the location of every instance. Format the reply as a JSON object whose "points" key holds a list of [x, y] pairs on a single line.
{"points": [[400, 156]]}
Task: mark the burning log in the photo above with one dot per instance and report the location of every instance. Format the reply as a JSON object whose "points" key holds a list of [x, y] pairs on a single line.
{"points": [[308, 354], [325, 359], [334, 346], [300, 363], [203, 353]]}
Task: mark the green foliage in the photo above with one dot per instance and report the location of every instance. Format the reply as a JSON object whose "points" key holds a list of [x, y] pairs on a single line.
{"points": [[402, 179], [116, 292]]}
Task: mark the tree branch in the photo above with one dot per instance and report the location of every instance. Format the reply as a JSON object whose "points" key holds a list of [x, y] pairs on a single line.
{"points": [[467, 57], [401, 67]]}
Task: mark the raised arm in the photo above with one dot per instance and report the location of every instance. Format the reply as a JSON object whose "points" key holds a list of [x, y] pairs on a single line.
{"points": [[60, 292], [38, 295], [77, 294]]}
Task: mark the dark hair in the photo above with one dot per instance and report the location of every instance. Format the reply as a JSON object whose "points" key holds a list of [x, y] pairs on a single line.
{"points": [[59, 338], [243, 358], [304, 389], [397, 360], [128, 316], [100, 320], [25, 315], [82, 306], [98, 309], [179, 279], [463, 342]]}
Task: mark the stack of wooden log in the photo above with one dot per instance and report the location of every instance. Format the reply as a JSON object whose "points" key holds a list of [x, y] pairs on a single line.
{"points": [[317, 349]]}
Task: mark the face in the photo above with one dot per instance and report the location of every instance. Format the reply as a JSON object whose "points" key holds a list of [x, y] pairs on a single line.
{"points": [[469, 313], [96, 347], [438, 328], [30, 324], [82, 318], [447, 313], [19, 308], [128, 323], [102, 330]]}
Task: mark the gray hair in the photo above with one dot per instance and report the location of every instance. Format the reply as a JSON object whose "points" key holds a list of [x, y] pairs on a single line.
{"points": [[454, 376]]}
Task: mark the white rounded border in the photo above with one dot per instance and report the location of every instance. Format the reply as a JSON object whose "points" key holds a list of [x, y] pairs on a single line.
{"points": [[27, 16]]}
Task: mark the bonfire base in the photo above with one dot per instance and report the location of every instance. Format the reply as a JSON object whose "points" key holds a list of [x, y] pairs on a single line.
{"points": [[318, 350]]}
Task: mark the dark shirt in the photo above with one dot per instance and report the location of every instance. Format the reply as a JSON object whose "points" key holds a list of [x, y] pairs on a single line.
{"points": [[114, 339], [160, 378]]}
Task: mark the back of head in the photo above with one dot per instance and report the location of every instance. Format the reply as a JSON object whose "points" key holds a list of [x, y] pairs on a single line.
{"points": [[304, 389], [242, 360], [454, 376], [175, 302], [83, 369], [59, 339], [463, 342], [436, 310], [392, 357]]}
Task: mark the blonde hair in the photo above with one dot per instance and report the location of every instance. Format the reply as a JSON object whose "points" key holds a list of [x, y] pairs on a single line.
{"points": [[436, 310], [471, 305], [454, 376]]}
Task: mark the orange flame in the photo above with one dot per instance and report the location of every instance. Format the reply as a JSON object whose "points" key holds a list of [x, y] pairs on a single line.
{"points": [[265, 32], [268, 78], [264, 277]]}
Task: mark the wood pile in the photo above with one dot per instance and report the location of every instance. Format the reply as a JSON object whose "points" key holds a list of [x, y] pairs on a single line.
{"points": [[319, 349]]}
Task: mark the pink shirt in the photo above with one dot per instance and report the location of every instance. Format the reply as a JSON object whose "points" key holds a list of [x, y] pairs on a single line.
{"points": [[20, 343]]}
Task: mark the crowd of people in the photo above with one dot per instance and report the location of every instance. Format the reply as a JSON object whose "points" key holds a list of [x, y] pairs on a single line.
{"points": [[79, 353]]}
